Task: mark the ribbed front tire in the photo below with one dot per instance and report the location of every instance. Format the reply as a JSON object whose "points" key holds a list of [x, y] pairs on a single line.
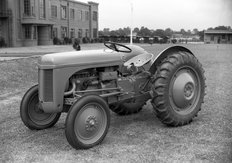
{"points": [[32, 115], [87, 122]]}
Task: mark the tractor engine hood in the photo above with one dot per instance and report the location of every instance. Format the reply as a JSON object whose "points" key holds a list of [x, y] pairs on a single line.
{"points": [[79, 58]]}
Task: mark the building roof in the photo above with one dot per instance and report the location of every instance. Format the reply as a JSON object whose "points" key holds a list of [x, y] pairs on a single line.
{"points": [[82, 3], [218, 32]]}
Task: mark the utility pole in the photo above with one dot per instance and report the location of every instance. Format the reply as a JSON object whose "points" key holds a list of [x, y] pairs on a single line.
{"points": [[131, 28]]}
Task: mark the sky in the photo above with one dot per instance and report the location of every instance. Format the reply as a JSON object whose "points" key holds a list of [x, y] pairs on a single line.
{"points": [[162, 14]]}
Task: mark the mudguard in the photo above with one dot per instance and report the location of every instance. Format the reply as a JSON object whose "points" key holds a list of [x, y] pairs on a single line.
{"points": [[164, 54]]}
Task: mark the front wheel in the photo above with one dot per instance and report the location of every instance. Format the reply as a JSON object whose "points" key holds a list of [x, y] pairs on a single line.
{"points": [[32, 115], [87, 122], [179, 89]]}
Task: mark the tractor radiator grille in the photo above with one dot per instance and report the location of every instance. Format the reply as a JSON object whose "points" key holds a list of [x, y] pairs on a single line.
{"points": [[47, 85]]}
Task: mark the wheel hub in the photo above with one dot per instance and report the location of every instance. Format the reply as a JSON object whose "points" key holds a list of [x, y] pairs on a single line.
{"points": [[38, 109], [183, 89], [188, 90], [91, 123]]}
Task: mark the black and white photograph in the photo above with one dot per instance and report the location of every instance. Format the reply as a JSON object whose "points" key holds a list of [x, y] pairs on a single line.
{"points": [[109, 81]]}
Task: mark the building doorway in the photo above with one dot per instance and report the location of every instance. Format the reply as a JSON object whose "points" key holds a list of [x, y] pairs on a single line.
{"points": [[44, 35]]}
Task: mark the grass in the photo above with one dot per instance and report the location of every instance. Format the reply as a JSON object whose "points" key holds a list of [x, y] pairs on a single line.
{"points": [[135, 138]]}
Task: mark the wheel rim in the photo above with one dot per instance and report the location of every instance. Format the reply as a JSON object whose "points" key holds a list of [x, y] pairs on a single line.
{"points": [[184, 90], [36, 114], [90, 123]]}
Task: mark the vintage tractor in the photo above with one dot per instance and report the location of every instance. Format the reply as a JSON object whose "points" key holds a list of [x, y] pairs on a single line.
{"points": [[87, 84]]}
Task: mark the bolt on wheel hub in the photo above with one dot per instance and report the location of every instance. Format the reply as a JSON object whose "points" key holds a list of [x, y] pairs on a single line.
{"points": [[91, 123]]}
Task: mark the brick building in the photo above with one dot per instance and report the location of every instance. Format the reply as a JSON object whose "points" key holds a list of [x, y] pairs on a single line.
{"points": [[218, 37], [37, 22]]}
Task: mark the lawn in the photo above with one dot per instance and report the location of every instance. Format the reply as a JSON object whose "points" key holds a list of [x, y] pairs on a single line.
{"points": [[135, 138]]}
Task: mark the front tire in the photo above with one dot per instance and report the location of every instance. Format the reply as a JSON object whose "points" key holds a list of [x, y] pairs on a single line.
{"points": [[179, 89], [33, 116], [87, 122]]}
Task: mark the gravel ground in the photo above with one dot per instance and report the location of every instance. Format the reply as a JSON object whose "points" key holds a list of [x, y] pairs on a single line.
{"points": [[135, 138]]}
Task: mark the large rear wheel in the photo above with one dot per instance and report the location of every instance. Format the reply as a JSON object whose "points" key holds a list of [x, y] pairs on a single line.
{"points": [[127, 108], [179, 89]]}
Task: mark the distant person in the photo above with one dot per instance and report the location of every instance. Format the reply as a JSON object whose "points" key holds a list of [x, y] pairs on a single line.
{"points": [[76, 45]]}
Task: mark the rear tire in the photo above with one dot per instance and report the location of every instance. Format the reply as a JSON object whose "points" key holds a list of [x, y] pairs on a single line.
{"points": [[87, 122], [127, 108], [34, 117], [179, 89]]}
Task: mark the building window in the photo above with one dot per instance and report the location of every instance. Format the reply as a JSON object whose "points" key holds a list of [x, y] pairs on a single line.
{"points": [[95, 15], [33, 7], [63, 12], [95, 33], [80, 33], [27, 7], [80, 15], [87, 33], [72, 33], [72, 13], [42, 8], [212, 38], [223, 37], [54, 11], [54, 32], [27, 32], [64, 32], [86, 15]]}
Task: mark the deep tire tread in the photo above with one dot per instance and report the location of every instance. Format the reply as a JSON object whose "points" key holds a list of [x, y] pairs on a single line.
{"points": [[122, 109], [161, 80]]}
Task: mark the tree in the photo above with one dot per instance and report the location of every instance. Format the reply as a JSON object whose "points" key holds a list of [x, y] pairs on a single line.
{"points": [[144, 31], [106, 31], [100, 33], [121, 32], [126, 30], [189, 32], [160, 33], [195, 31], [168, 32], [201, 34], [210, 28], [182, 31], [114, 33], [221, 28], [136, 30]]}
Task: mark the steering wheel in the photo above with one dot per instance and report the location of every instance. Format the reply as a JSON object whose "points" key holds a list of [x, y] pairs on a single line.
{"points": [[117, 47]]}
